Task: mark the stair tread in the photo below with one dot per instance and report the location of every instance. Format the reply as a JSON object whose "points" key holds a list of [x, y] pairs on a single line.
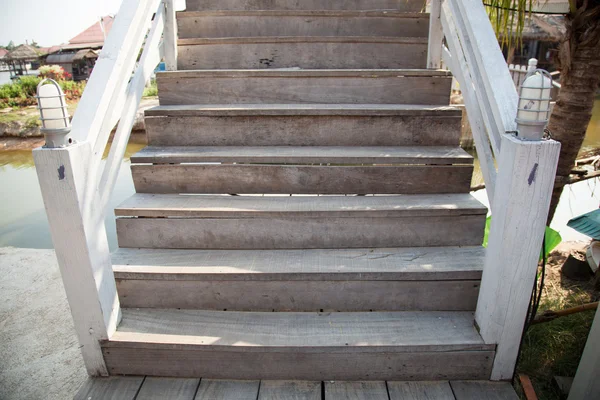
{"points": [[301, 109], [175, 205], [306, 13], [417, 263], [304, 154], [300, 39], [302, 73], [403, 331]]}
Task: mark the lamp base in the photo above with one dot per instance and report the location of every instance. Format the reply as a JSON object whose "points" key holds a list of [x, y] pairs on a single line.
{"points": [[57, 137], [530, 130]]}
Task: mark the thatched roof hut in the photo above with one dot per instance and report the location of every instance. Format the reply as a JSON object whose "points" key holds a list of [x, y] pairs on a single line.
{"points": [[24, 52]]}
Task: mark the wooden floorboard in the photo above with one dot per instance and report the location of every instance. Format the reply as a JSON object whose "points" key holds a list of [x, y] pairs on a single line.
{"points": [[289, 390], [483, 390], [111, 388], [168, 388], [138, 387], [212, 389], [340, 390], [439, 390]]}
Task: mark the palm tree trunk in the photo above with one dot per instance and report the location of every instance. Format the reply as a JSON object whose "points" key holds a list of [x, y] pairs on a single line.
{"points": [[580, 79]]}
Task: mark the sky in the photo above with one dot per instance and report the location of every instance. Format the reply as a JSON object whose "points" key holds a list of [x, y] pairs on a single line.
{"points": [[51, 22]]}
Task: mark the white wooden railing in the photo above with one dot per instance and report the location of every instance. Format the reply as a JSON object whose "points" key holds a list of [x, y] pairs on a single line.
{"points": [[519, 175], [77, 184]]}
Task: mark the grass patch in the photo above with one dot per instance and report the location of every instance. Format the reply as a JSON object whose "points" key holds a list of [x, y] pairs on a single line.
{"points": [[555, 348], [152, 90]]}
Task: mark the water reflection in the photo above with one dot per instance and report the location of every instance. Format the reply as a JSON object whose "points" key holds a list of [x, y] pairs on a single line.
{"points": [[23, 221]]}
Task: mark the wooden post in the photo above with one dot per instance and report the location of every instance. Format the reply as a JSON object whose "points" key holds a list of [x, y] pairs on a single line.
{"points": [[521, 202], [170, 36], [586, 384], [436, 35], [81, 245]]}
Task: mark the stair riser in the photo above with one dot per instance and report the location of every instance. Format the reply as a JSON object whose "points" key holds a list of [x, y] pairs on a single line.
{"points": [[283, 179], [298, 364], [177, 89], [216, 5], [300, 233], [195, 26], [451, 295], [302, 55], [303, 131]]}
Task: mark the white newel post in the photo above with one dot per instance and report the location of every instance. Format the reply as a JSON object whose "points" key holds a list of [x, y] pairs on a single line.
{"points": [[436, 36], [81, 245], [523, 189], [170, 36], [586, 384]]}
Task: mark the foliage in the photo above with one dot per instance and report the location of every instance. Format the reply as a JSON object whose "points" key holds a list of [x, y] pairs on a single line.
{"points": [[55, 72], [152, 90], [10, 46], [22, 92], [552, 237], [508, 18]]}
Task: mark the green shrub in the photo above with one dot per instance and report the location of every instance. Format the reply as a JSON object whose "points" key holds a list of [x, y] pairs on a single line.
{"points": [[151, 90], [29, 85]]}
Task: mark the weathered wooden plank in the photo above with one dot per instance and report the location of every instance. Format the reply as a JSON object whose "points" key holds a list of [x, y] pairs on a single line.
{"points": [[469, 390], [113, 388], [304, 155], [274, 110], [299, 233], [174, 205], [302, 52], [211, 389], [313, 295], [290, 390], [304, 366], [420, 390], [333, 130], [304, 86], [400, 5], [306, 179], [408, 264], [168, 388], [525, 181], [306, 23], [253, 332], [341, 390]]}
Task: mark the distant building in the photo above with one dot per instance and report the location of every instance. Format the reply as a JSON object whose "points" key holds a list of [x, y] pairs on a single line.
{"points": [[20, 59], [79, 56], [3, 64]]}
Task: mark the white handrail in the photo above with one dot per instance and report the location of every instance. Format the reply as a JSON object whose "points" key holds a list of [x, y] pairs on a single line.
{"points": [[151, 56]]}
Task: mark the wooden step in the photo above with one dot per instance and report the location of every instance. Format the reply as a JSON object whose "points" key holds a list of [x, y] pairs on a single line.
{"points": [[311, 346], [301, 179], [292, 86], [398, 279], [299, 222], [420, 155], [302, 52], [216, 5], [303, 125], [230, 24]]}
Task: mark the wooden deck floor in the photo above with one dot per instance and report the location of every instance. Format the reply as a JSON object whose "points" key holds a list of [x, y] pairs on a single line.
{"points": [[152, 388]]}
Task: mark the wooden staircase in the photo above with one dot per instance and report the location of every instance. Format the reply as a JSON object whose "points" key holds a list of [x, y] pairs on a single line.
{"points": [[302, 212]]}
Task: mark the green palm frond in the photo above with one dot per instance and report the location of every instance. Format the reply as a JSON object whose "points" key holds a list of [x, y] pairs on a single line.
{"points": [[508, 18]]}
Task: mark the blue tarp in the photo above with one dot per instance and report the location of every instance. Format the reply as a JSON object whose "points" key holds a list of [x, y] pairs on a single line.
{"points": [[588, 224]]}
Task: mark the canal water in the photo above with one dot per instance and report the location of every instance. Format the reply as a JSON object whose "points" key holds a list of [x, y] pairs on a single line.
{"points": [[23, 220]]}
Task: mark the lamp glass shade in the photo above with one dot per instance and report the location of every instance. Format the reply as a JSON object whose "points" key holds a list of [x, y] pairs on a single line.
{"points": [[534, 100], [53, 109]]}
